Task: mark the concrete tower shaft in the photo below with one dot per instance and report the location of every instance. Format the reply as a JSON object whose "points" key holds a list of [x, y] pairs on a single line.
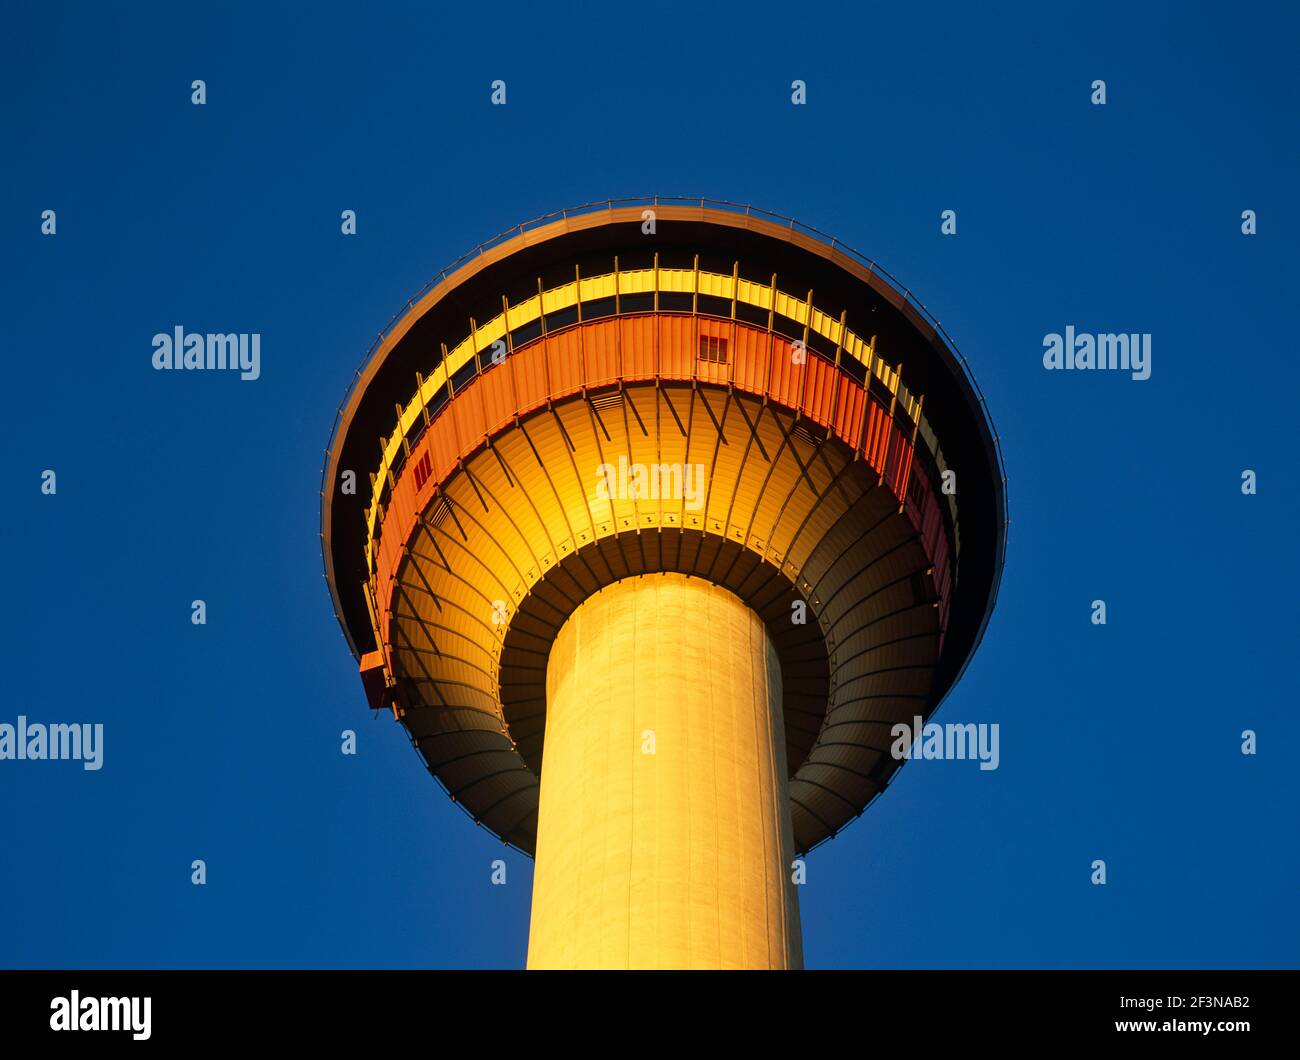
{"points": [[664, 835]]}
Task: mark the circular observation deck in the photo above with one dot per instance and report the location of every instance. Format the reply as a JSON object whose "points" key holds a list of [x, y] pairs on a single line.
{"points": [[654, 387]]}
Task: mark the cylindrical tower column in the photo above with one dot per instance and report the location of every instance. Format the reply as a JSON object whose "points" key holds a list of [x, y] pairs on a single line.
{"points": [[664, 836]]}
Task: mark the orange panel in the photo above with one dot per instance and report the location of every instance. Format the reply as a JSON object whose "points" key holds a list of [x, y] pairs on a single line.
{"points": [[530, 379], [783, 386], [442, 447], [601, 351], [676, 354], [900, 455], [564, 366], [819, 389], [749, 358], [638, 336], [848, 417], [470, 425], [385, 569], [495, 387], [872, 447]]}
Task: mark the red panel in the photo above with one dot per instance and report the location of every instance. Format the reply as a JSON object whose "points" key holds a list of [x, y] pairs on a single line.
{"points": [[892, 452], [848, 417], [900, 456], [913, 499], [868, 430], [940, 559], [877, 436], [906, 473], [926, 514]]}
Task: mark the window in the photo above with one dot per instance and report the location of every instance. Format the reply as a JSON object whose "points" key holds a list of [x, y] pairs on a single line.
{"points": [[423, 469], [713, 349]]}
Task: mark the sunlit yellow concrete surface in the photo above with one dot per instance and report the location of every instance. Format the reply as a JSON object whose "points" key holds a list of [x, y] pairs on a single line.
{"points": [[664, 836]]}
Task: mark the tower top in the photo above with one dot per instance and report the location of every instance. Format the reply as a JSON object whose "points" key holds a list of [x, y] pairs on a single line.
{"points": [[507, 431]]}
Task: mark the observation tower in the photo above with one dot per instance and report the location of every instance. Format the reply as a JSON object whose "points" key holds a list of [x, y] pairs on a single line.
{"points": [[647, 520]]}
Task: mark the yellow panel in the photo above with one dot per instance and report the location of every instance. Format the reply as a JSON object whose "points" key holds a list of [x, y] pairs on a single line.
{"points": [[484, 335], [755, 294], [598, 287], [715, 284], [409, 416], [680, 281], [559, 298], [636, 281], [432, 383], [787, 306], [524, 313]]}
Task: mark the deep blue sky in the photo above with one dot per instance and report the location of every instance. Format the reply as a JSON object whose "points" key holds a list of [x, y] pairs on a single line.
{"points": [[222, 742]]}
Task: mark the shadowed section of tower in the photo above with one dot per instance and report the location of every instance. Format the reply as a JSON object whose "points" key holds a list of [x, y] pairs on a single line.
{"points": [[664, 834]]}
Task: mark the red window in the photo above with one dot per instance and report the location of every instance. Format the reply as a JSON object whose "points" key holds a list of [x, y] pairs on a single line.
{"points": [[423, 469], [713, 349]]}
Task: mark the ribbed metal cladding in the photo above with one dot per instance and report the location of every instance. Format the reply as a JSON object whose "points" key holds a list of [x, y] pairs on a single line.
{"points": [[525, 528], [664, 835]]}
